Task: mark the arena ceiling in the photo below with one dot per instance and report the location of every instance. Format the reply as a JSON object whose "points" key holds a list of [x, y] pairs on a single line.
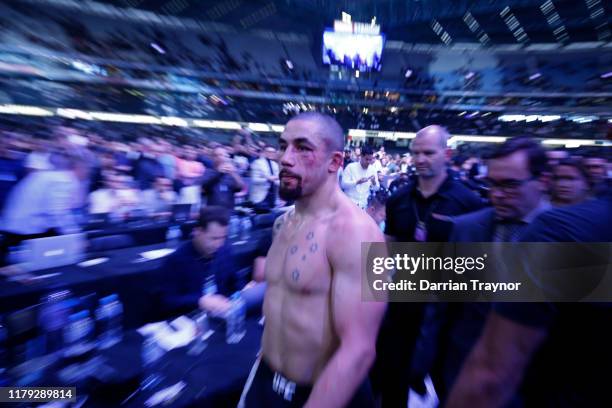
{"points": [[419, 21]]}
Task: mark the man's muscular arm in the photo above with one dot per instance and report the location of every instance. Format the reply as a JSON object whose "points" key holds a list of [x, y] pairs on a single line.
{"points": [[356, 322], [496, 365]]}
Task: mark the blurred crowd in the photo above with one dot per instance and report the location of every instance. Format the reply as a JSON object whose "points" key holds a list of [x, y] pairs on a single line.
{"points": [[52, 185], [147, 176]]}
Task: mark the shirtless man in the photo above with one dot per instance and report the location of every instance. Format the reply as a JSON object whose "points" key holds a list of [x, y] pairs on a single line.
{"points": [[319, 338]]}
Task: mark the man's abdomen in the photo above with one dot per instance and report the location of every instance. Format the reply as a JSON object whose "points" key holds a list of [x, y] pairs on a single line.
{"points": [[298, 338]]}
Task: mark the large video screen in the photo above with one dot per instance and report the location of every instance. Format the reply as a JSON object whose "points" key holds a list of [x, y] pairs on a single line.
{"points": [[355, 51]]}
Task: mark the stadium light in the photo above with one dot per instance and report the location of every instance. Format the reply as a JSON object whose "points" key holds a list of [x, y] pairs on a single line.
{"points": [[217, 124], [470, 138], [174, 121], [259, 127], [535, 76], [74, 114], [125, 118], [157, 48], [232, 125], [25, 110]]}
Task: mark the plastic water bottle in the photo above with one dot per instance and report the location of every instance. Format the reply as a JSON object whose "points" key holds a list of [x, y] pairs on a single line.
{"points": [[210, 286], [173, 236], [201, 341], [109, 316], [151, 353], [4, 363], [53, 317], [245, 230], [234, 227], [235, 328], [78, 333]]}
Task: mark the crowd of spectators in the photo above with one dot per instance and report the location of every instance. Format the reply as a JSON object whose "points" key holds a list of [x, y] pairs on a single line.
{"points": [[52, 184]]}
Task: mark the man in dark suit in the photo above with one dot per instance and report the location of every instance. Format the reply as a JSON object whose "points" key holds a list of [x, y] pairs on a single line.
{"points": [[517, 181], [552, 355], [202, 272]]}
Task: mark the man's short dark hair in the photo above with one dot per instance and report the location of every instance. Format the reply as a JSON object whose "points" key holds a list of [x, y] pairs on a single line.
{"points": [[378, 200], [597, 153], [536, 155], [577, 164], [333, 135], [367, 150], [213, 213]]}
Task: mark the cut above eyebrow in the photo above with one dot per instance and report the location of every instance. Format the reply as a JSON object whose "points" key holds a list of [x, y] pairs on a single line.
{"points": [[299, 140]]}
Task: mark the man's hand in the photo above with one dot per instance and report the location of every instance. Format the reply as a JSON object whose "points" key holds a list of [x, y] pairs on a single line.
{"points": [[363, 180], [216, 304]]}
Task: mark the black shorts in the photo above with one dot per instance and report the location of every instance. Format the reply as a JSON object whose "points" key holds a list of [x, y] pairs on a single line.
{"points": [[266, 388]]}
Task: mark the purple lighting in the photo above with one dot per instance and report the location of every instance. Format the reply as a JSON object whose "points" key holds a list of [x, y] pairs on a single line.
{"points": [[535, 76], [157, 48], [607, 75]]}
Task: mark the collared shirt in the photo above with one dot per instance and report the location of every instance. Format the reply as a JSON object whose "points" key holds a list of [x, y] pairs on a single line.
{"points": [[408, 206], [358, 193], [185, 271], [219, 188], [41, 201], [511, 230]]}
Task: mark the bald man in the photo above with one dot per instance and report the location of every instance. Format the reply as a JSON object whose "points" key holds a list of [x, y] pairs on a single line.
{"points": [[417, 212], [319, 338]]}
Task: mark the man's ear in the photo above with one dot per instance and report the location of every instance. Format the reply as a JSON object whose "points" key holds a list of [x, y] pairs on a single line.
{"points": [[336, 162], [448, 153]]}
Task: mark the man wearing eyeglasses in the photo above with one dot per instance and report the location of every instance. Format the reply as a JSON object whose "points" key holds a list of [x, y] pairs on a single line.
{"points": [[517, 182]]}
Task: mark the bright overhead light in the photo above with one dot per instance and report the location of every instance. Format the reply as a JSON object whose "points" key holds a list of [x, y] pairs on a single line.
{"points": [[357, 132], [535, 76], [470, 138], [125, 118], [217, 124], [157, 48], [259, 127], [569, 142], [174, 121], [73, 114], [25, 110]]}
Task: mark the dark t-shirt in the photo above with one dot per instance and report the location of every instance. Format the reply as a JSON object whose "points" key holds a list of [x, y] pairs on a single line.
{"points": [[185, 271], [407, 206], [219, 188], [571, 368]]}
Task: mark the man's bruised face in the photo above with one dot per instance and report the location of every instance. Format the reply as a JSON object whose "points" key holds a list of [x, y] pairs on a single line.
{"points": [[304, 159]]}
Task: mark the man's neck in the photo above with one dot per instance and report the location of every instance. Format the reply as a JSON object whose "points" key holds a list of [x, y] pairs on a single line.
{"points": [[320, 202], [541, 205], [430, 186], [200, 251]]}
